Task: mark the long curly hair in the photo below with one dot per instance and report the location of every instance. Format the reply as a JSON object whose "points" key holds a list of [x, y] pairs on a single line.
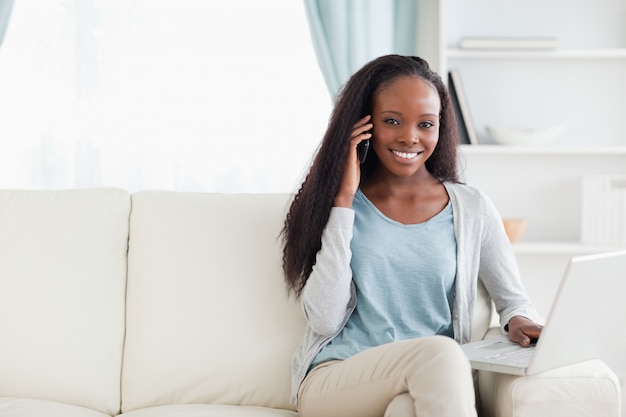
{"points": [[310, 208]]}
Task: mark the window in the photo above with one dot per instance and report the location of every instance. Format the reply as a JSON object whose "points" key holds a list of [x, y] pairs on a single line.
{"points": [[191, 95]]}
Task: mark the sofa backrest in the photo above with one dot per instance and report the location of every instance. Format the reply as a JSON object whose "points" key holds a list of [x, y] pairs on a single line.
{"points": [[62, 289], [208, 317]]}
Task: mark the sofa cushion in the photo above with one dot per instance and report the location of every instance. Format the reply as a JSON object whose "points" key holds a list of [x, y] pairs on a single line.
{"points": [[208, 318], [20, 407], [62, 289], [212, 410]]}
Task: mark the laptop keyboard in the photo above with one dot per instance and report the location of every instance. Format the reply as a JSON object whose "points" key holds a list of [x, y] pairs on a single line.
{"points": [[516, 356]]}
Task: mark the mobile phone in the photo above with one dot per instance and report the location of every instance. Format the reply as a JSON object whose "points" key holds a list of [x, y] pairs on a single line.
{"points": [[362, 149]]}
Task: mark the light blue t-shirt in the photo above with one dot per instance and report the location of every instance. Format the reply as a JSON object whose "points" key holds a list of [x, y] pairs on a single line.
{"points": [[404, 277]]}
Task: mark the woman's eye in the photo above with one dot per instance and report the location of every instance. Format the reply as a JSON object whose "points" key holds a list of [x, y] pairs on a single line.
{"points": [[427, 124], [391, 121]]}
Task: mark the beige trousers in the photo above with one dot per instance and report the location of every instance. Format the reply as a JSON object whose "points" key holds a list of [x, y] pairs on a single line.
{"points": [[427, 377]]}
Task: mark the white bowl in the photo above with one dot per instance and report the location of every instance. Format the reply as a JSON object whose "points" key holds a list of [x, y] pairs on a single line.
{"points": [[528, 137]]}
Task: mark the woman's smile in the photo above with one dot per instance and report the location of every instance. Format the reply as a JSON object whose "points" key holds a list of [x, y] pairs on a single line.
{"points": [[407, 156]]}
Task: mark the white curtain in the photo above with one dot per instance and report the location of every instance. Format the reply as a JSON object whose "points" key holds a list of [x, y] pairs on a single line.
{"points": [[189, 95], [5, 14], [349, 33]]}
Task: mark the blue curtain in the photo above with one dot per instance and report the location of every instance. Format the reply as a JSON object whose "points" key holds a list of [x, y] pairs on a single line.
{"points": [[5, 13], [347, 34]]}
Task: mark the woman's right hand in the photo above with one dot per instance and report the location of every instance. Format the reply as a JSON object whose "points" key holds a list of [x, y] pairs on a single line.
{"points": [[352, 169]]}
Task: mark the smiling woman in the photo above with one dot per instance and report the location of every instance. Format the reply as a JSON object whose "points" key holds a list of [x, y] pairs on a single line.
{"points": [[186, 95]]}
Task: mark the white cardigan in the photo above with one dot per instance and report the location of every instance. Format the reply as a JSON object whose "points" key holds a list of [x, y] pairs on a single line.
{"points": [[483, 252]]}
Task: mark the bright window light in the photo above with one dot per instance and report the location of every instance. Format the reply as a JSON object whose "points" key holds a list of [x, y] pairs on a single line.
{"points": [[191, 95]]}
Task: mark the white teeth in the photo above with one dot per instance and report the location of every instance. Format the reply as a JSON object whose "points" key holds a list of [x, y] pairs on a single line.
{"points": [[406, 155]]}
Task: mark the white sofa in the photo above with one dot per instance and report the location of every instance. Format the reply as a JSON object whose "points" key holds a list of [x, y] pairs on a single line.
{"points": [[172, 304]]}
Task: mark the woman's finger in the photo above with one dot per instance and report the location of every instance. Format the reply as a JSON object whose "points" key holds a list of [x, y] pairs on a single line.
{"points": [[362, 126]]}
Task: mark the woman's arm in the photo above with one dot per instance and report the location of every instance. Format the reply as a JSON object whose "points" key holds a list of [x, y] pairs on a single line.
{"points": [[500, 274], [327, 293]]}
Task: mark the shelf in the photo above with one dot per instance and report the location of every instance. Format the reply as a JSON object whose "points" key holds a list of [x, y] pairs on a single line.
{"points": [[562, 248], [600, 53], [549, 86], [542, 150]]}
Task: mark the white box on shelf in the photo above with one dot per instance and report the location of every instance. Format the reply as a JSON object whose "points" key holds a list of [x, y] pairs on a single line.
{"points": [[603, 209]]}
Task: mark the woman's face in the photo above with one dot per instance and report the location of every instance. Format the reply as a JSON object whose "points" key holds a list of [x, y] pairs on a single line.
{"points": [[406, 125]]}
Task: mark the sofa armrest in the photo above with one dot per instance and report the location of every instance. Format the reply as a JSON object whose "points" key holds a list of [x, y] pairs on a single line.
{"points": [[584, 389]]}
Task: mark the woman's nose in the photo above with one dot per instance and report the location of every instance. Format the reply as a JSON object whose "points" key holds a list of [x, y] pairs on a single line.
{"points": [[410, 135]]}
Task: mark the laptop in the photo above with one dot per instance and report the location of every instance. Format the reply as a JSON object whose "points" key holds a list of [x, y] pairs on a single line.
{"points": [[586, 321]]}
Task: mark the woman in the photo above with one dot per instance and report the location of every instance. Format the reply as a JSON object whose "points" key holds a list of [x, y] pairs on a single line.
{"points": [[385, 255]]}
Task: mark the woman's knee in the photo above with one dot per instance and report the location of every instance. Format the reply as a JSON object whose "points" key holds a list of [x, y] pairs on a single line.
{"points": [[441, 353], [449, 349], [441, 369]]}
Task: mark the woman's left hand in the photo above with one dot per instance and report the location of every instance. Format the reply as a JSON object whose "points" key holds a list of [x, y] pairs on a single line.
{"points": [[523, 330]]}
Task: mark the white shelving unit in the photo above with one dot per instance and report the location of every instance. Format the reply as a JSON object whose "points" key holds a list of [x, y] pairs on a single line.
{"points": [[581, 85]]}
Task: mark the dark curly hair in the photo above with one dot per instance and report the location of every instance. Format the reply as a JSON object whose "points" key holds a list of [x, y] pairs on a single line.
{"points": [[310, 208]]}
